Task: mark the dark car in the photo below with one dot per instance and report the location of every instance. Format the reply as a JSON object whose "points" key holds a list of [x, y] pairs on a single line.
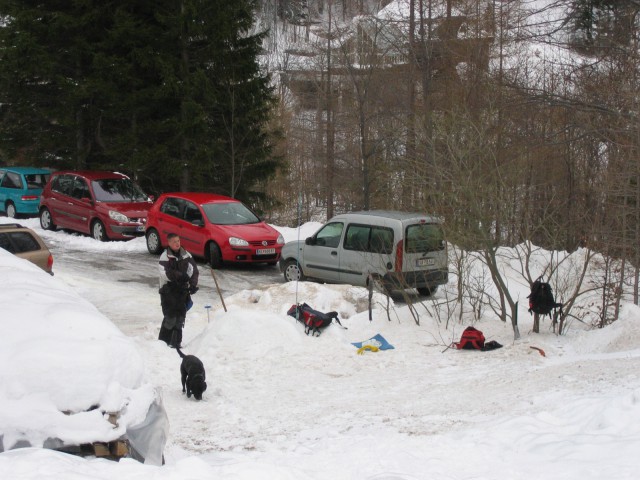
{"points": [[20, 189], [105, 205], [25, 243], [214, 227]]}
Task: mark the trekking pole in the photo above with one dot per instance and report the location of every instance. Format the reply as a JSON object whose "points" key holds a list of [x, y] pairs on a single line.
{"points": [[218, 288], [370, 297]]}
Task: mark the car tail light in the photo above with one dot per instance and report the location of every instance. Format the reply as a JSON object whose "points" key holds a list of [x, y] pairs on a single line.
{"points": [[50, 262], [29, 197], [399, 248]]}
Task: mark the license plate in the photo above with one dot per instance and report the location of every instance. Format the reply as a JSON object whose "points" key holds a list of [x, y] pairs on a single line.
{"points": [[140, 228], [265, 251], [424, 262]]}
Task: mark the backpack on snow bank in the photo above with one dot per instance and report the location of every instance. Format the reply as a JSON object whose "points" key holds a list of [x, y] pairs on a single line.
{"points": [[541, 299], [313, 320], [473, 339]]}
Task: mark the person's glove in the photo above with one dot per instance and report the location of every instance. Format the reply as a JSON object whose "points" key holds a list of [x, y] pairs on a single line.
{"points": [[189, 270], [193, 290]]}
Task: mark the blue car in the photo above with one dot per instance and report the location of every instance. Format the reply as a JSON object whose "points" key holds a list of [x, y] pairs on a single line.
{"points": [[20, 189]]}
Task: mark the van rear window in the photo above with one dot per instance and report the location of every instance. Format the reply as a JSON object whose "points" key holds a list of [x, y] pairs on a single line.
{"points": [[424, 237], [36, 180]]}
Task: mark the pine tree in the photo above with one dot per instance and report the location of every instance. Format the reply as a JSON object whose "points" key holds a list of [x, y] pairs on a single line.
{"points": [[46, 61], [171, 92], [227, 100]]}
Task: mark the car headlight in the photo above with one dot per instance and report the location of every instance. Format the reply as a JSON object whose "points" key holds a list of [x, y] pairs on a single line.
{"points": [[117, 216], [238, 242], [280, 240]]}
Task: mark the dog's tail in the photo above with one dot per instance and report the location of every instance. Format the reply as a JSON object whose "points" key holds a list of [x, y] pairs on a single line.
{"points": [[182, 355]]}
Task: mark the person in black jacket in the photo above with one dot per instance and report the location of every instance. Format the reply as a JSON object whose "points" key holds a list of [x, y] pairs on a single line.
{"points": [[178, 281]]}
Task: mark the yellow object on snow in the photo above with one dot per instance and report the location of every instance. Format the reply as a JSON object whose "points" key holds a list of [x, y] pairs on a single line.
{"points": [[371, 348]]}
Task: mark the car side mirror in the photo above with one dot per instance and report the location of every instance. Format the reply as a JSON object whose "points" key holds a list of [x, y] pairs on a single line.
{"points": [[86, 200], [198, 223], [310, 241]]}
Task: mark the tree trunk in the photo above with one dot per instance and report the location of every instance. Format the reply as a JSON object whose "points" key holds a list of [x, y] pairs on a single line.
{"points": [[330, 132]]}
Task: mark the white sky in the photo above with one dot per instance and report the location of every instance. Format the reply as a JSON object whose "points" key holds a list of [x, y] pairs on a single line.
{"points": [[281, 405]]}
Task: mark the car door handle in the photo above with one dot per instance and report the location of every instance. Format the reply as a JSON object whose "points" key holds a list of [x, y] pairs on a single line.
{"points": [[334, 253]]}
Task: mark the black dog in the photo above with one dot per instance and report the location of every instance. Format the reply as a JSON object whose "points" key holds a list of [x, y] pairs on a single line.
{"points": [[192, 375]]}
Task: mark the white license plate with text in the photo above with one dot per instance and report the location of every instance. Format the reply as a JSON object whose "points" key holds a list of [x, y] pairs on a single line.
{"points": [[265, 251], [425, 262]]}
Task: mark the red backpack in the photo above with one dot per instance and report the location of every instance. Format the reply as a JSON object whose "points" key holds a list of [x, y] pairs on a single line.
{"points": [[313, 320], [471, 339]]}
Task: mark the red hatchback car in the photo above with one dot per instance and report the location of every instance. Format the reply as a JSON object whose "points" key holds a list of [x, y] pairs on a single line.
{"points": [[105, 205], [214, 227]]}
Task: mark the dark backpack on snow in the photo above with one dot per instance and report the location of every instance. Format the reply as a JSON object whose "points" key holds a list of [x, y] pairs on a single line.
{"points": [[541, 299], [313, 320]]}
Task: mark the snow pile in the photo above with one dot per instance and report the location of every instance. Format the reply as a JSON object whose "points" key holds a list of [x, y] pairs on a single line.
{"points": [[283, 405], [64, 366]]}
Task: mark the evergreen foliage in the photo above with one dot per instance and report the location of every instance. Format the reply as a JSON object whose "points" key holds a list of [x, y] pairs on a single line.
{"points": [[170, 92], [602, 24]]}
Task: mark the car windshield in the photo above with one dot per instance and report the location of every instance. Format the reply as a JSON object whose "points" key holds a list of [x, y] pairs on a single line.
{"points": [[118, 190], [231, 213]]}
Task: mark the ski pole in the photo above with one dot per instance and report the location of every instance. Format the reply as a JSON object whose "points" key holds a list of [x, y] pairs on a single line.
{"points": [[218, 288]]}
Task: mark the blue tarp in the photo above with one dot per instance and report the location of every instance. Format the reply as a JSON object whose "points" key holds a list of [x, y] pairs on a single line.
{"points": [[376, 341]]}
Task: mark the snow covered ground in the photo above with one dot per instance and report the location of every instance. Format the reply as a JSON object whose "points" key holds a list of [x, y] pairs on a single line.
{"points": [[281, 405]]}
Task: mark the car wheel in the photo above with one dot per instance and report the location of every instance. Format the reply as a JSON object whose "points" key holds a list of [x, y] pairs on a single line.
{"points": [[98, 231], [46, 222], [215, 256], [11, 210], [293, 272], [426, 291], [153, 242]]}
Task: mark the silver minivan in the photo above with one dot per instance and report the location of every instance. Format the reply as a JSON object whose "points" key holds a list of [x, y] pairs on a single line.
{"points": [[395, 250]]}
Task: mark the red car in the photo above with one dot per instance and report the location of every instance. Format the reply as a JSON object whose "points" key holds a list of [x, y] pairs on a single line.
{"points": [[105, 205], [214, 227]]}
